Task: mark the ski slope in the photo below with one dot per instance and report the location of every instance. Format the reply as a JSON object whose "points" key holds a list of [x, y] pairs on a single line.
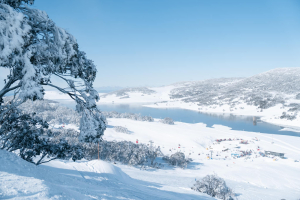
{"points": [[250, 177], [75, 180]]}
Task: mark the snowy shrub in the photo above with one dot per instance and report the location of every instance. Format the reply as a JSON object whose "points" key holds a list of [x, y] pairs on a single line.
{"points": [[60, 149], [124, 92], [126, 152], [16, 3], [30, 135], [287, 116], [133, 116], [121, 129], [214, 186], [167, 120], [69, 135], [124, 97], [177, 159], [294, 107]]}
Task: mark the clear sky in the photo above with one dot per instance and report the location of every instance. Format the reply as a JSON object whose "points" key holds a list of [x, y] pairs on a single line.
{"points": [[159, 42]]}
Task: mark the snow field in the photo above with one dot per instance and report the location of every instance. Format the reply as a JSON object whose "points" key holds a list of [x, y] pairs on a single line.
{"points": [[75, 180], [162, 94], [250, 177]]}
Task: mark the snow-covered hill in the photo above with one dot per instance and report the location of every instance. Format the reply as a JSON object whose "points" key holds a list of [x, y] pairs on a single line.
{"points": [[274, 95], [75, 180]]}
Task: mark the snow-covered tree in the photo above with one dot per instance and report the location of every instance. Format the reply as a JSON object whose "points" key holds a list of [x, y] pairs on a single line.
{"points": [[38, 53], [30, 135], [214, 186], [167, 120], [133, 116], [16, 3], [177, 159], [121, 129], [126, 152]]}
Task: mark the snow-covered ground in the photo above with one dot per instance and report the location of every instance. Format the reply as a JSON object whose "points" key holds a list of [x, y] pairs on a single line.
{"points": [[251, 177], [75, 180], [161, 94]]}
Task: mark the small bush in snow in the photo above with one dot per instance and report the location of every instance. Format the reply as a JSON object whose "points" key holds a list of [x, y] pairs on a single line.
{"points": [[125, 91], [287, 116], [214, 186], [121, 129], [132, 116], [177, 159], [124, 97], [125, 152], [167, 120], [69, 135]]}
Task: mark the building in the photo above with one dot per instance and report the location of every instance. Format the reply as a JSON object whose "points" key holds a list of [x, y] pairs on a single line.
{"points": [[237, 155], [281, 155]]}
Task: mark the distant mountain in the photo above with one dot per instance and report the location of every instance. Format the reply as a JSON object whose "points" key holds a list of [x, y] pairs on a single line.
{"points": [[264, 90], [188, 90], [125, 92]]}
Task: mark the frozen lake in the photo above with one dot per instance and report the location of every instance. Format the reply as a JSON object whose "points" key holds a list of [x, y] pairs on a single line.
{"points": [[235, 122]]}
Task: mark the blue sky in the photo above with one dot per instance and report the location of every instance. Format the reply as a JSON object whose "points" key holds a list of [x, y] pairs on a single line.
{"points": [[159, 42]]}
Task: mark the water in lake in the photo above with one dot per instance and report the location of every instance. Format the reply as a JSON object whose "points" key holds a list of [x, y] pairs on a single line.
{"points": [[189, 116]]}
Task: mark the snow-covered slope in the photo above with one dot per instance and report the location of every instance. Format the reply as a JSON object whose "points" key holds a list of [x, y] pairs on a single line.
{"points": [[138, 95], [252, 177], [75, 180]]}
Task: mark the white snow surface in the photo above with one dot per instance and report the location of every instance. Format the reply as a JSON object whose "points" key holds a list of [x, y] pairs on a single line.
{"points": [[161, 94], [253, 177], [75, 180], [250, 178]]}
